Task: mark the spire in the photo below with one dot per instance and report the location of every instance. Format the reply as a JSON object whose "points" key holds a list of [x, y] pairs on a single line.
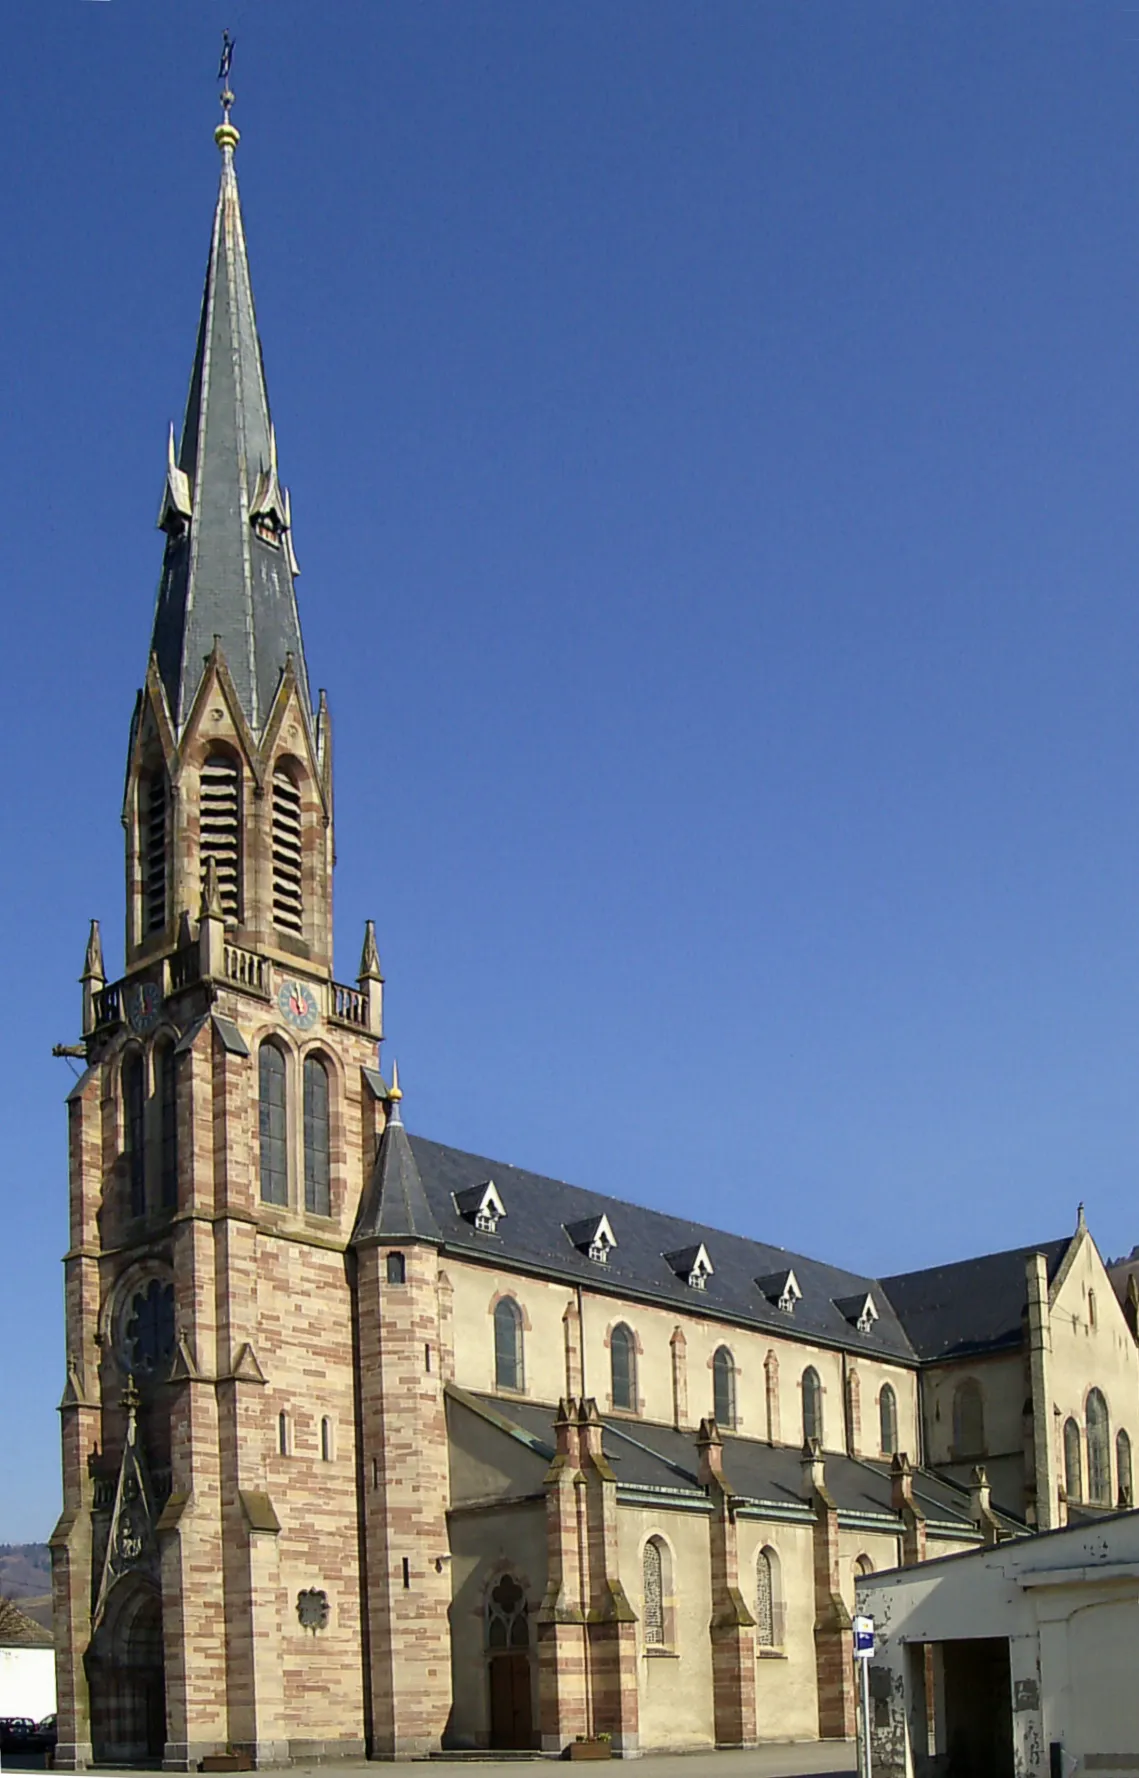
{"points": [[229, 566], [395, 1206], [93, 957], [369, 957]]}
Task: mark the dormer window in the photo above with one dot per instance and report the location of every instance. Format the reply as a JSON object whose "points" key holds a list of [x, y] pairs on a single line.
{"points": [[594, 1237], [782, 1290], [692, 1264], [861, 1311], [481, 1206], [266, 528]]}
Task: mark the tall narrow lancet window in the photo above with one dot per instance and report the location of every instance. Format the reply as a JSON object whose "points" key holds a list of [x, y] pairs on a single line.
{"points": [[968, 1419], [1123, 1488], [508, 1371], [812, 1405], [887, 1421], [153, 801], [724, 1387], [623, 1366], [134, 1130], [1099, 1450], [165, 1090], [288, 900], [1073, 1461], [767, 1602], [317, 1189], [220, 825], [272, 1123], [653, 1618]]}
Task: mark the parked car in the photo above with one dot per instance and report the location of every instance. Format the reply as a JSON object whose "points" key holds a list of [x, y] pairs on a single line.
{"points": [[17, 1735], [47, 1732]]}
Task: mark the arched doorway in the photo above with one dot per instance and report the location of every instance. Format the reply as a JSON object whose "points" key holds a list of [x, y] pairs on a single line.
{"points": [[126, 1678], [508, 1660]]}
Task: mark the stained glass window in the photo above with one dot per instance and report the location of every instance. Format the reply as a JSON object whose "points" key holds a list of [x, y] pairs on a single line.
{"points": [[1123, 1468], [506, 1622], [507, 1344], [623, 1364], [1073, 1461], [764, 1600], [812, 1405], [166, 1065], [317, 1189], [1099, 1450], [150, 1329], [134, 1112], [273, 1126], [724, 1387], [653, 1617]]}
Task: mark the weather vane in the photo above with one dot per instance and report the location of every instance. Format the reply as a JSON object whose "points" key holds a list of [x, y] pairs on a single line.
{"points": [[224, 67]]}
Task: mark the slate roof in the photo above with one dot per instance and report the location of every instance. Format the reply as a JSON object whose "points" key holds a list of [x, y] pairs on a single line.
{"points": [[395, 1205], [652, 1457], [18, 1630], [221, 580], [972, 1307], [532, 1236]]}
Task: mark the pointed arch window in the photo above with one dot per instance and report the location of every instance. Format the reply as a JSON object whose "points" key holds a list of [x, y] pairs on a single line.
{"points": [[1099, 1450], [288, 880], [318, 1193], [154, 802], [655, 1588], [724, 1387], [508, 1371], [219, 817], [887, 1420], [812, 1405], [768, 1602], [1124, 1494], [623, 1367], [166, 1092], [273, 1122], [134, 1130], [1073, 1461], [968, 1419]]}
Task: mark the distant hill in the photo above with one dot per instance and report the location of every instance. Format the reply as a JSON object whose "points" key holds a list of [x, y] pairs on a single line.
{"points": [[25, 1570]]}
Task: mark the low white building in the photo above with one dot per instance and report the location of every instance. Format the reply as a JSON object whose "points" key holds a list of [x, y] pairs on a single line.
{"points": [[27, 1665], [1017, 1661]]}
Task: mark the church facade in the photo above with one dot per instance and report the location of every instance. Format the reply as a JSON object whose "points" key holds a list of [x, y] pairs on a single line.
{"points": [[371, 1445]]}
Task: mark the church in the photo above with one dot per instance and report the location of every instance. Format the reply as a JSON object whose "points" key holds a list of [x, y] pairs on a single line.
{"points": [[371, 1446]]}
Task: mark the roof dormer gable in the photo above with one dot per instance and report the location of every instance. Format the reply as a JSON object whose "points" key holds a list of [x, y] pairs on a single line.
{"points": [[593, 1236], [860, 1310], [692, 1264], [481, 1206], [781, 1289]]}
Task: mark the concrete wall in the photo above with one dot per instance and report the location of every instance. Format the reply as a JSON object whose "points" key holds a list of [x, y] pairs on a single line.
{"points": [[1068, 1604]]}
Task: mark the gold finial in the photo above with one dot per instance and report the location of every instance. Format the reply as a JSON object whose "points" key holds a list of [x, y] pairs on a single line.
{"points": [[395, 1092], [226, 135]]}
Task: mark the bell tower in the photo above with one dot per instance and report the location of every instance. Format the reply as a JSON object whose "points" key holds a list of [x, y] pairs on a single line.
{"points": [[206, 1566]]}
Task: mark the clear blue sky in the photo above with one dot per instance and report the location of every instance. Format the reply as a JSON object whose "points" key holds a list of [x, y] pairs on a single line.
{"points": [[713, 434]]}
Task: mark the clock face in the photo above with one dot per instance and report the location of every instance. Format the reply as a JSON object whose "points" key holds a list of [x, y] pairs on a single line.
{"points": [[298, 1005], [144, 1006]]}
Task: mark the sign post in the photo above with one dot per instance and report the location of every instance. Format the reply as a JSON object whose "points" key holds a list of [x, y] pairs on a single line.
{"points": [[863, 1650]]}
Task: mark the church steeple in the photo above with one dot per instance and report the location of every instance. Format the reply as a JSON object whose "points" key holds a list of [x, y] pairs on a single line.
{"points": [[230, 766], [229, 567]]}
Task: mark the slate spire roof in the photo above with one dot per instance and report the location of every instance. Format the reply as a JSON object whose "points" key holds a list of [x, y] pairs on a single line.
{"points": [[229, 567], [395, 1206]]}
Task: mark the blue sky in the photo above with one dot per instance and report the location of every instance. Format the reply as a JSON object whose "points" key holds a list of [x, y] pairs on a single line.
{"points": [[713, 434]]}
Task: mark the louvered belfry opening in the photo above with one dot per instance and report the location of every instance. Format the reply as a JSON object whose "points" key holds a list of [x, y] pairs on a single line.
{"points": [[220, 826], [288, 896], [153, 850]]}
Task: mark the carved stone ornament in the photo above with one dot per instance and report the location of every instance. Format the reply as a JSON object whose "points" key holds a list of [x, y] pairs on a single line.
{"points": [[312, 1609]]}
